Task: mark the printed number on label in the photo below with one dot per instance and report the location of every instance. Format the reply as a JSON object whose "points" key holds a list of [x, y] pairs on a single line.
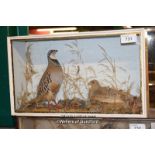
{"points": [[125, 39]]}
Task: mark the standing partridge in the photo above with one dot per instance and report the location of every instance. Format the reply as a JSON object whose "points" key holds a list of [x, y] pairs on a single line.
{"points": [[50, 82]]}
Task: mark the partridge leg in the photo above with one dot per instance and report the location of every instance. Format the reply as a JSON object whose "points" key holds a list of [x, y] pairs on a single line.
{"points": [[49, 106]]}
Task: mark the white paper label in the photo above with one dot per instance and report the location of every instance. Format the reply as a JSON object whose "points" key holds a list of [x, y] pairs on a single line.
{"points": [[137, 126], [128, 39], [153, 125]]}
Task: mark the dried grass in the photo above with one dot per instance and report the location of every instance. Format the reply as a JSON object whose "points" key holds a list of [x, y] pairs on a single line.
{"points": [[73, 83], [28, 74], [110, 70]]}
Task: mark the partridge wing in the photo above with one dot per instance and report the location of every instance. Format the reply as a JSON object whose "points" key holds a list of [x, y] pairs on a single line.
{"points": [[43, 84]]}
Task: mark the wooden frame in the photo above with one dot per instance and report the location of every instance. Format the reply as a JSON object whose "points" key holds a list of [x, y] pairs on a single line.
{"points": [[140, 33]]}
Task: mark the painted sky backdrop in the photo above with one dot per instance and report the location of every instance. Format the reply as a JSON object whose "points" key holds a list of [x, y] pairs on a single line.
{"points": [[126, 56]]}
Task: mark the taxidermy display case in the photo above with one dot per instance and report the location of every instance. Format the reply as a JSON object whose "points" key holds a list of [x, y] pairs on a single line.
{"points": [[86, 74]]}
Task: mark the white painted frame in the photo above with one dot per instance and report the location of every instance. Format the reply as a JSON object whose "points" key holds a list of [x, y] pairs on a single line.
{"points": [[144, 71]]}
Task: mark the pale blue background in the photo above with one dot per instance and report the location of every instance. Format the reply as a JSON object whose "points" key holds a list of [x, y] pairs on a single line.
{"points": [[126, 56]]}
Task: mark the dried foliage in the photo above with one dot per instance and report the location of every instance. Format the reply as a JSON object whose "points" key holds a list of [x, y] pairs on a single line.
{"points": [[74, 82], [29, 72], [110, 70]]}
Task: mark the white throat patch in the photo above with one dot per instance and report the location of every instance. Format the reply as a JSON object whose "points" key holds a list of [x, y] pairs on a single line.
{"points": [[52, 56]]}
